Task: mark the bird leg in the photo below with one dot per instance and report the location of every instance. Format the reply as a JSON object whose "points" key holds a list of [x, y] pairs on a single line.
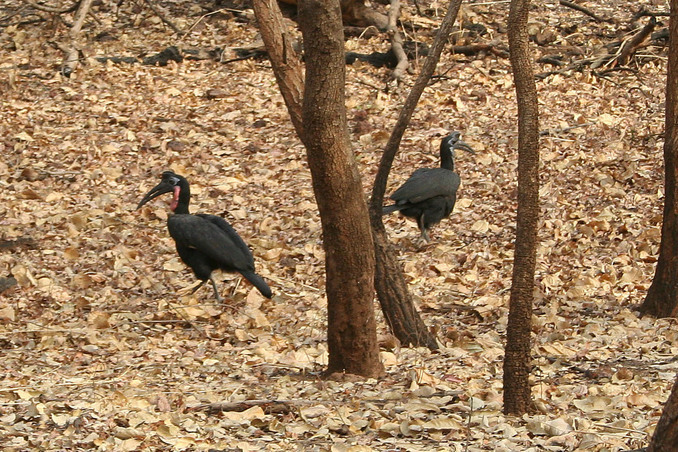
{"points": [[423, 240], [214, 286], [216, 291], [424, 233]]}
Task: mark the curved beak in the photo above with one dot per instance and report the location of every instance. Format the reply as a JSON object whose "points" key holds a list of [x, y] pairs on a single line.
{"points": [[160, 189], [464, 146]]}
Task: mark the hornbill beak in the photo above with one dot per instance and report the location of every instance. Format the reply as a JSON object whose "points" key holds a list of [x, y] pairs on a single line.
{"points": [[464, 146], [160, 189]]}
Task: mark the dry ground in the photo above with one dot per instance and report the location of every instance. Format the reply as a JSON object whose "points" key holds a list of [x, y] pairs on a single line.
{"points": [[103, 349]]}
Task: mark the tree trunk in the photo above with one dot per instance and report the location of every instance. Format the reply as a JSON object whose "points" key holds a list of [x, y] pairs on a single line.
{"points": [[347, 239], [396, 302], [321, 126], [665, 438], [517, 394], [395, 299], [355, 12], [662, 297], [284, 59]]}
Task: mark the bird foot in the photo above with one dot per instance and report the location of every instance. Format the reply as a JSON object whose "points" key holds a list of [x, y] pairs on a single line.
{"points": [[423, 246], [422, 241], [216, 290]]}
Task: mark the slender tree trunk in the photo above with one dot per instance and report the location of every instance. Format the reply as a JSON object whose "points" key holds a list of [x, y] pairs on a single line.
{"points": [[395, 299], [517, 393], [284, 59], [662, 297], [347, 239]]}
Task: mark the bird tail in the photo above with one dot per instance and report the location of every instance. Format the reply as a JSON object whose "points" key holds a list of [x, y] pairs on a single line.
{"points": [[258, 282], [390, 209]]}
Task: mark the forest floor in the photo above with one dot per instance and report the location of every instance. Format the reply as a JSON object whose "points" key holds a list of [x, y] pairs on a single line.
{"points": [[102, 347]]}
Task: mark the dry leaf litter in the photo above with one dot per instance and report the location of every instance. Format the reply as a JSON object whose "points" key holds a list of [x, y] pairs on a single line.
{"points": [[103, 348]]}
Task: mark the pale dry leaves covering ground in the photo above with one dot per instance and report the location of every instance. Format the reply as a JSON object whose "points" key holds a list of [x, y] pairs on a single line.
{"points": [[103, 348]]}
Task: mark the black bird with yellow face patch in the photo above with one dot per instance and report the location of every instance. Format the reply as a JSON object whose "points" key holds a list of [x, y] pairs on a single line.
{"points": [[204, 242]]}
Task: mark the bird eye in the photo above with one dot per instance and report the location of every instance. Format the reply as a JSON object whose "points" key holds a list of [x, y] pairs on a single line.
{"points": [[174, 180]]}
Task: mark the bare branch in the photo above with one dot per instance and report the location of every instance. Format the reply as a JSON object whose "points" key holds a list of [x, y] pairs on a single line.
{"points": [[80, 16], [586, 11], [635, 42]]}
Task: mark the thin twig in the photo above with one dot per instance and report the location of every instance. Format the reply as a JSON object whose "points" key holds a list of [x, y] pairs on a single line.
{"points": [[621, 429], [162, 17]]}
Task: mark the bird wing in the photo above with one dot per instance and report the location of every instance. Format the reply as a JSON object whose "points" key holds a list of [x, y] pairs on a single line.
{"points": [[212, 236], [426, 183]]}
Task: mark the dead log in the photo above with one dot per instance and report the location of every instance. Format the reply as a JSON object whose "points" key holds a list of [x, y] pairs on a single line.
{"points": [[475, 49], [630, 46], [163, 58], [269, 406]]}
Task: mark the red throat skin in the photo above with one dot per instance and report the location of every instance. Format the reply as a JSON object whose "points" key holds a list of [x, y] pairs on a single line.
{"points": [[175, 200]]}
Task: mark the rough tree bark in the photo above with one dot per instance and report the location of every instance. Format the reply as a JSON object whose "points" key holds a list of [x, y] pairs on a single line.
{"points": [[396, 301], [347, 238], [517, 393], [665, 437], [662, 297], [357, 13]]}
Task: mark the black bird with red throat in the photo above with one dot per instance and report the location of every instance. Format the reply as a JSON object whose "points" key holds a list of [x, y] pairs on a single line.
{"points": [[204, 242]]}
